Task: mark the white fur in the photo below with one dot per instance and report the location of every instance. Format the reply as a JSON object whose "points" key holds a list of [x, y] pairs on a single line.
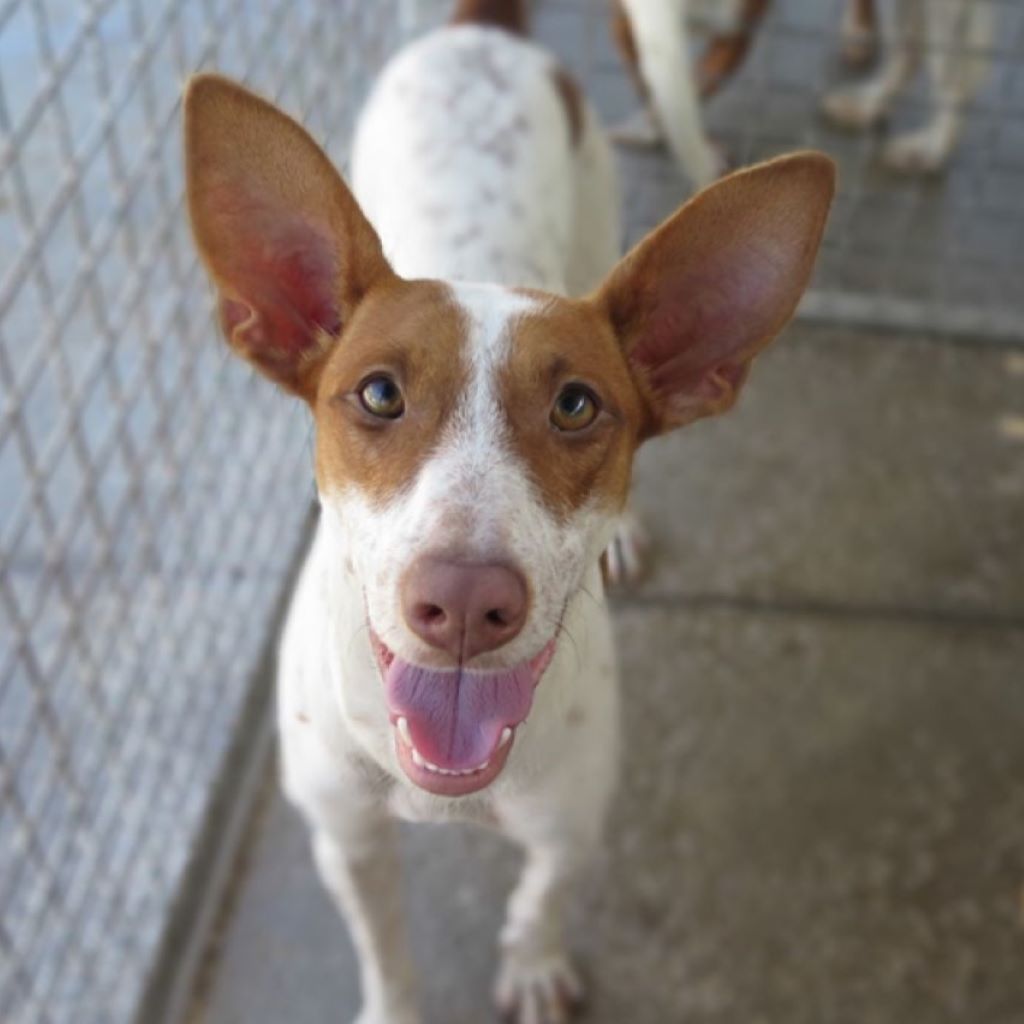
{"points": [[447, 204], [659, 30]]}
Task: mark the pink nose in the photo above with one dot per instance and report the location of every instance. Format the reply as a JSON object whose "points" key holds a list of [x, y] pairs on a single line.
{"points": [[463, 609]]}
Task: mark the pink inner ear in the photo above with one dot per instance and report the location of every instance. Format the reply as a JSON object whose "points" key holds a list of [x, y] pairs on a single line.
{"points": [[283, 271], [703, 324]]}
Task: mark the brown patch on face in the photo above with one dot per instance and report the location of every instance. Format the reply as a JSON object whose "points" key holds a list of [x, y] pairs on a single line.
{"points": [[414, 332], [570, 342], [572, 100]]}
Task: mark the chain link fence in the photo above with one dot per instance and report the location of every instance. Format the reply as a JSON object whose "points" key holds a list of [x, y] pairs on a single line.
{"points": [[154, 490]]}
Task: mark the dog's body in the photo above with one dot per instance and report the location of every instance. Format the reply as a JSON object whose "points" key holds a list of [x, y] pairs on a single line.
{"points": [[953, 37], [448, 653]]}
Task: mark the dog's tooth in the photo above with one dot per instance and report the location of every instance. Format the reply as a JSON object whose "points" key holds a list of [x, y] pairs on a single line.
{"points": [[403, 731], [506, 735], [417, 759], [431, 767]]}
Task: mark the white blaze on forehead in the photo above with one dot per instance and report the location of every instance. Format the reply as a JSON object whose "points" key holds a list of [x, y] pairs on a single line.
{"points": [[491, 312], [474, 470]]}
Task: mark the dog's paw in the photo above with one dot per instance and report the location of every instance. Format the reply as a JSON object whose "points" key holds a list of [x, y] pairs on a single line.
{"points": [[640, 131], [540, 990], [920, 152], [624, 559], [854, 108]]}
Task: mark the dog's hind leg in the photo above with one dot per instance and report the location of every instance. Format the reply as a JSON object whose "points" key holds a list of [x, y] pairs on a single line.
{"points": [[959, 36], [360, 869], [866, 103]]}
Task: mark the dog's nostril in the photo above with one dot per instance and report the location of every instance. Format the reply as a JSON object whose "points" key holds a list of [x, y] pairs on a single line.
{"points": [[432, 613], [496, 617]]}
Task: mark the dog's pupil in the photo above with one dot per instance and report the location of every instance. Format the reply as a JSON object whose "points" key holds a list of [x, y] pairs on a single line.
{"points": [[382, 392], [573, 403]]}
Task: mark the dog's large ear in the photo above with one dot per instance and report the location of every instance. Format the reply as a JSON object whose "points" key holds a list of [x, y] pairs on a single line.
{"points": [[700, 296], [285, 242]]}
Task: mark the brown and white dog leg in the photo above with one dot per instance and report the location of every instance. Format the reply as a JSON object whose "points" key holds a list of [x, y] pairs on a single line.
{"points": [[864, 104], [959, 37], [859, 33]]}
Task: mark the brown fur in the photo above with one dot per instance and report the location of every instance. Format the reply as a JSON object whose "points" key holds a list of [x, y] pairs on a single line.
{"points": [[414, 331], [572, 100], [267, 205], [701, 295], [510, 15], [570, 342], [725, 54], [625, 41]]}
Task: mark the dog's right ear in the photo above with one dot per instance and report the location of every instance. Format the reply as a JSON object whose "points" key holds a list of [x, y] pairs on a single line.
{"points": [[289, 250]]}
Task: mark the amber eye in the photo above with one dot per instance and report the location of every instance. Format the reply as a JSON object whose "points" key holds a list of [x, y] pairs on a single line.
{"points": [[380, 396], [575, 408]]}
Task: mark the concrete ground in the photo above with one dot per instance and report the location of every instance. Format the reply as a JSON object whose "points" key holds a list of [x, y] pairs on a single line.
{"points": [[822, 807], [821, 816]]}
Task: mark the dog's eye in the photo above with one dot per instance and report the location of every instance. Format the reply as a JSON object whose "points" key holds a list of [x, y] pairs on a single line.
{"points": [[381, 397], [575, 407]]}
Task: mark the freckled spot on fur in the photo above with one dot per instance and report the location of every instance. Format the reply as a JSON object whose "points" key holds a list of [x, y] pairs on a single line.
{"points": [[576, 716], [302, 717]]}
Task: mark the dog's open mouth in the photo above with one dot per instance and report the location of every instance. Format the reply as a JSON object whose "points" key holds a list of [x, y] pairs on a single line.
{"points": [[454, 728]]}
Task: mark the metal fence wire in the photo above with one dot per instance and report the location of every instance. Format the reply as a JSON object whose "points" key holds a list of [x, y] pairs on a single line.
{"points": [[153, 488]]}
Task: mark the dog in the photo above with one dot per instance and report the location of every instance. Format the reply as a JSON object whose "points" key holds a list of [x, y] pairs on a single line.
{"points": [[653, 39], [953, 36], [448, 654]]}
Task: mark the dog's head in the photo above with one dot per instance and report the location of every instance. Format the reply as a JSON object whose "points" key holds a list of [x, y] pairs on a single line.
{"points": [[474, 442]]}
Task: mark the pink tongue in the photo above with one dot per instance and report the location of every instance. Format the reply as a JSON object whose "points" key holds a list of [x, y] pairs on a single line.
{"points": [[456, 717]]}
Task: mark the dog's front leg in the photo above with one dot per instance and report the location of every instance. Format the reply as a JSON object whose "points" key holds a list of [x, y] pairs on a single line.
{"points": [[360, 867], [536, 982]]}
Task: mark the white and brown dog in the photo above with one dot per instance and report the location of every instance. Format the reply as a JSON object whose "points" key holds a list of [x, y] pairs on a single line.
{"points": [[473, 447]]}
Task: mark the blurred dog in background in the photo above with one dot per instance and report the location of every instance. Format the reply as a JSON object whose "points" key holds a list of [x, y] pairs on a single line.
{"points": [[653, 38], [951, 36]]}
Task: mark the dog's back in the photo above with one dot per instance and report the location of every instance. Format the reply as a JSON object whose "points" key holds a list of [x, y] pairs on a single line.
{"points": [[476, 159]]}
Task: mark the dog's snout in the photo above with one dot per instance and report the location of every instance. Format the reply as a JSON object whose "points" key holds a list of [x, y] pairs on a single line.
{"points": [[464, 609]]}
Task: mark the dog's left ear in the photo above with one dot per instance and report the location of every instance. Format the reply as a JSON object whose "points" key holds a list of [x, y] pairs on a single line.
{"points": [[698, 298]]}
